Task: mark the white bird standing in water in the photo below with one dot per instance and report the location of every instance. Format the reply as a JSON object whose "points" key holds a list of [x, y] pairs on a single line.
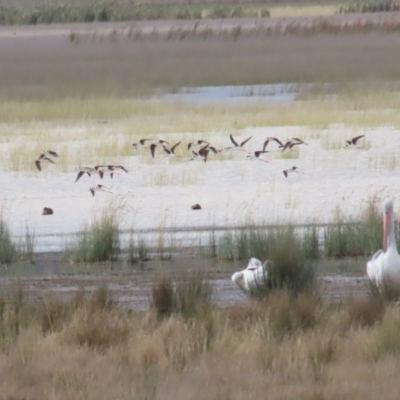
{"points": [[253, 277], [384, 268]]}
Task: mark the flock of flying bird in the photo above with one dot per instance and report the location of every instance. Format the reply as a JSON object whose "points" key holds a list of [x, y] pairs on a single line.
{"points": [[204, 149]]}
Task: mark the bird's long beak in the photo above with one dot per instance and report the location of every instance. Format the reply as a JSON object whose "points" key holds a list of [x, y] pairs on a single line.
{"points": [[387, 220]]}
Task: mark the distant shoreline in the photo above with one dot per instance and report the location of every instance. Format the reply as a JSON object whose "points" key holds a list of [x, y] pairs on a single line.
{"points": [[363, 21]]}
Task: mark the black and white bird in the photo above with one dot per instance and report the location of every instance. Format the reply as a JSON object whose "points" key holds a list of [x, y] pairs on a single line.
{"points": [[236, 145], [99, 188], [44, 157], [171, 151], [286, 172], [197, 143], [40, 160], [353, 142], [89, 171], [155, 143]]}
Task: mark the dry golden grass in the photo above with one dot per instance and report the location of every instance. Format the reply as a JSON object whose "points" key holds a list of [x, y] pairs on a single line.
{"points": [[90, 348]]}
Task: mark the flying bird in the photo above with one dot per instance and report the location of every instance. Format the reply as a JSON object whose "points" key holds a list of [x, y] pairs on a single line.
{"points": [[89, 171], [197, 143], [140, 143], [39, 161], [171, 152], [273, 139], [99, 188], [297, 140], [236, 145], [353, 142], [286, 172], [154, 145], [256, 155], [49, 153]]}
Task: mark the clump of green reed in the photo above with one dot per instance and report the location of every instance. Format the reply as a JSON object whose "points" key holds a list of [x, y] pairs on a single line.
{"points": [[243, 244], [188, 294], [289, 270], [368, 7], [99, 241], [311, 242], [355, 237], [8, 248], [120, 11], [11, 250]]}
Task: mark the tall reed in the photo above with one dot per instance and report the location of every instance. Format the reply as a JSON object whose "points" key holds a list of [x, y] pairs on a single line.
{"points": [[357, 236], [99, 241]]}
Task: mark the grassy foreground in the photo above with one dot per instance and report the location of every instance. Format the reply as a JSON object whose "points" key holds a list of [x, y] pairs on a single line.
{"points": [[89, 348]]}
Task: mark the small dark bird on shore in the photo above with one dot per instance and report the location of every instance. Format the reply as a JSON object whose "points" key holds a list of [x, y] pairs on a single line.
{"points": [[47, 211]]}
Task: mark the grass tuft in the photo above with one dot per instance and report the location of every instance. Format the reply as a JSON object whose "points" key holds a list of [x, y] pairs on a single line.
{"points": [[289, 269], [366, 311], [356, 237], [188, 294], [162, 297], [98, 241], [11, 250]]}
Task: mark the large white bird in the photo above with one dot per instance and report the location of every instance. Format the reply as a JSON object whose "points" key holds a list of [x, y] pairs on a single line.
{"points": [[253, 277], [384, 268]]}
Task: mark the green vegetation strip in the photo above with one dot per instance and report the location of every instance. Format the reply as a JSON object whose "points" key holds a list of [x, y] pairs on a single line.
{"points": [[110, 11]]}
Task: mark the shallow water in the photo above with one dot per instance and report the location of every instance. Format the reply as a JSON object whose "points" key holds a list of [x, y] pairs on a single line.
{"points": [[131, 285], [235, 94]]}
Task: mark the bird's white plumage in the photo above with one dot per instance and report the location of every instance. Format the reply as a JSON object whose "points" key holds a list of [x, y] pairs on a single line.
{"points": [[384, 268], [253, 277]]}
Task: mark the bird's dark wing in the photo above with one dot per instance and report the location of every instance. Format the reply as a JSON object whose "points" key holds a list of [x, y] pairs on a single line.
{"points": [[37, 163], [153, 148], [245, 141], [287, 145], [92, 191], [168, 151], [174, 147], [278, 141], [203, 150], [80, 173], [233, 141], [354, 140]]}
